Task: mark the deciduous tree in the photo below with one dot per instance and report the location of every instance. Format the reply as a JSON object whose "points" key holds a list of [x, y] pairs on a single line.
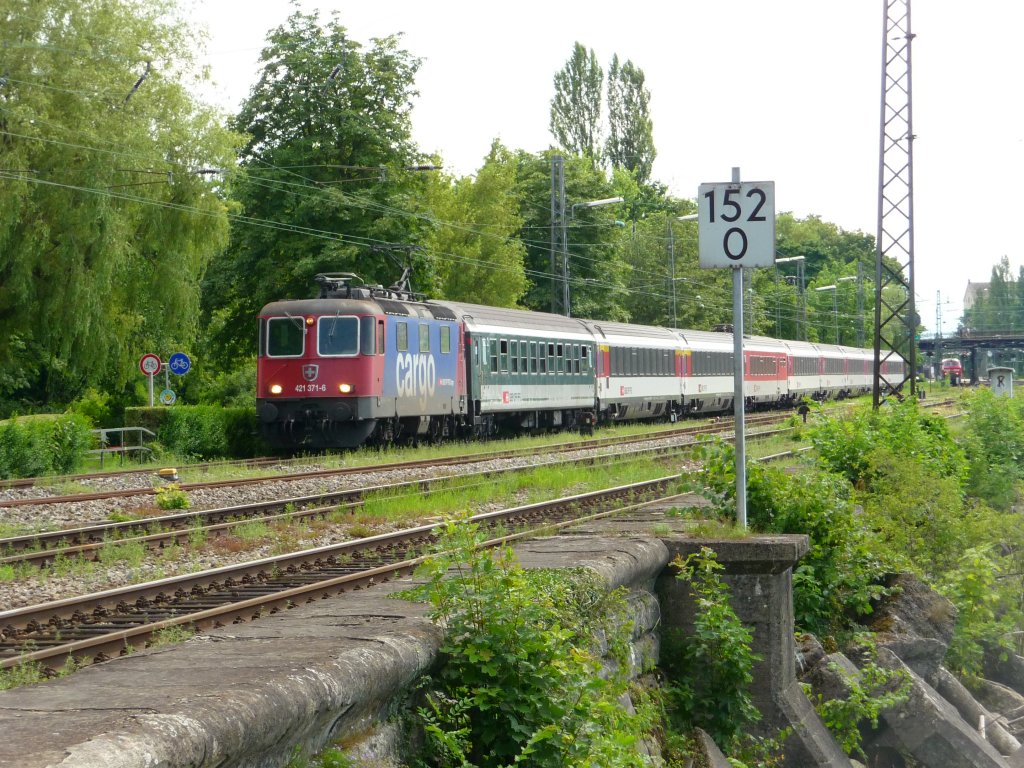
{"points": [[630, 142], [576, 105], [108, 212], [330, 179], [474, 242]]}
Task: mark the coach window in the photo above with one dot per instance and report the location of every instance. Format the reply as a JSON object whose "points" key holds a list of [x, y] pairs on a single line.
{"points": [[514, 354], [402, 336], [494, 355], [575, 358], [504, 355], [542, 357], [533, 357], [524, 350], [446, 339], [560, 356], [286, 336], [585, 359]]}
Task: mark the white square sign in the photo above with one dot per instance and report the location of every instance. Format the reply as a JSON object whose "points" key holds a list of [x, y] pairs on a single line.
{"points": [[736, 224]]}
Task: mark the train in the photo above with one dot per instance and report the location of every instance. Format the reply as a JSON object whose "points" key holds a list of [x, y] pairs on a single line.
{"points": [[951, 366], [363, 364]]}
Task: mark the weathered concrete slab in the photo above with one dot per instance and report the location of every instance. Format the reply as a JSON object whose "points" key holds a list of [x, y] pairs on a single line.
{"points": [[930, 729], [248, 694]]}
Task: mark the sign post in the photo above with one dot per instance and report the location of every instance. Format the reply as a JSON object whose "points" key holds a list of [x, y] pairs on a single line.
{"points": [[736, 229], [150, 365]]}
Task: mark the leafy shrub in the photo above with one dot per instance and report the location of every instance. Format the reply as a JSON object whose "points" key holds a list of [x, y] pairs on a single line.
{"points": [[840, 576], [522, 679], [845, 444], [38, 445], [201, 431], [995, 447], [172, 497]]}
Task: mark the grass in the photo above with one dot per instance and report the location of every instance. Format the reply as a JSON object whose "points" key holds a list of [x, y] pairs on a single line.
{"points": [[179, 633]]}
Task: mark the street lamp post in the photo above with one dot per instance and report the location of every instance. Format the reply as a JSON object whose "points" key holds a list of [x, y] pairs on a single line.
{"points": [[799, 261], [565, 241], [835, 309]]}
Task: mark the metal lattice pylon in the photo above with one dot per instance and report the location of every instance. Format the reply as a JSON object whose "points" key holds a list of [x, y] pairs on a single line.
{"points": [[895, 316]]}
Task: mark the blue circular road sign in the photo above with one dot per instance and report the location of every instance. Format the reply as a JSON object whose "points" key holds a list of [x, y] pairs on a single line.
{"points": [[179, 363]]}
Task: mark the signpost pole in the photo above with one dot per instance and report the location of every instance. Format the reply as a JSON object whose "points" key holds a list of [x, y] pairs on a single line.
{"points": [[737, 231], [150, 377], [738, 392]]}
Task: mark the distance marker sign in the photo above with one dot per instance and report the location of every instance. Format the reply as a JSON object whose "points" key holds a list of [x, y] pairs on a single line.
{"points": [[736, 224]]}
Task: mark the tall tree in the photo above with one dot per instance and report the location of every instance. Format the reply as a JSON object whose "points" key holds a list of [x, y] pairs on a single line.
{"points": [[108, 217], [576, 105], [329, 177], [479, 258], [630, 142]]}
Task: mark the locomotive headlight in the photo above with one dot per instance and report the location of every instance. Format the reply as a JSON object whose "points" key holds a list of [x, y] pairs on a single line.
{"points": [[344, 388], [275, 389]]}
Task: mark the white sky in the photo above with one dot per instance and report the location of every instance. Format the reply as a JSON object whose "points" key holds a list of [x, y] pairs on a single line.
{"points": [[788, 91]]}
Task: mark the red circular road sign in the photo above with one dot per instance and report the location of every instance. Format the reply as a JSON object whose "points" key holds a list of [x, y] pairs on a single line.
{"points": [[150, 364]]}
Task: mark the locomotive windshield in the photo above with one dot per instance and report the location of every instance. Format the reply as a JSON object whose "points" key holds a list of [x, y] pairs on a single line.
{"points": [[337, 336], [285, 336]]}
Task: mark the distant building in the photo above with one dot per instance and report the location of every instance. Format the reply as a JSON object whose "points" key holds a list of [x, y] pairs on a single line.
{"points": [[974, 290]]}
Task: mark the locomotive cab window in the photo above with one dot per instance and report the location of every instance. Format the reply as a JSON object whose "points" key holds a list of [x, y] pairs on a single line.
{"points": [[286, 337], [337, 336]]}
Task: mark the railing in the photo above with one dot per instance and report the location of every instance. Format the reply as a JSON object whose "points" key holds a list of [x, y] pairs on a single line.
{"points": [[116, 441]]}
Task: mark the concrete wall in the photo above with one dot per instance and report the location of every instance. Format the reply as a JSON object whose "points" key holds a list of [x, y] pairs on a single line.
{"points": [[339, 670]]}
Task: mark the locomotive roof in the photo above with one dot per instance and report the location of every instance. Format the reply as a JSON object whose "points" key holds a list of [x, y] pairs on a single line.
{"points": [[320, 307]]}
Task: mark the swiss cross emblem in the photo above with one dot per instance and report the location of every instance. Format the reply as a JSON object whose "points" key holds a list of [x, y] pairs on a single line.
{"points": [[310, 372], [622, 391], [504, 396]]}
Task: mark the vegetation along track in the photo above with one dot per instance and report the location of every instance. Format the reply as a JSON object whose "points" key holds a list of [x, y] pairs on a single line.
{"points": [[725, 425], [156, 532], [96, 627]]}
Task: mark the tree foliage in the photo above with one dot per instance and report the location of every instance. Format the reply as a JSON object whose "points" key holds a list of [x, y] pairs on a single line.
{"points": [[478, 254], [108, 217], [576, 105], [630, 142], [326, 183]]}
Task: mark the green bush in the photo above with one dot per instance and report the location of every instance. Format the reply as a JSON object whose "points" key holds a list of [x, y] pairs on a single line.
{"points": [[201, 431], [37, 445], [522, 681], [836, 582]]}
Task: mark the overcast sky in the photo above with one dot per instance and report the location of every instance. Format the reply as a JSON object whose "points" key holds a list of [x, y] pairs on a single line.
{"points": [[788, 91]]}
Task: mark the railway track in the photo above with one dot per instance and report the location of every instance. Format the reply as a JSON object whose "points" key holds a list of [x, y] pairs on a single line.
{"points": [[41, 549], [96, 627], [576, 445]]}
